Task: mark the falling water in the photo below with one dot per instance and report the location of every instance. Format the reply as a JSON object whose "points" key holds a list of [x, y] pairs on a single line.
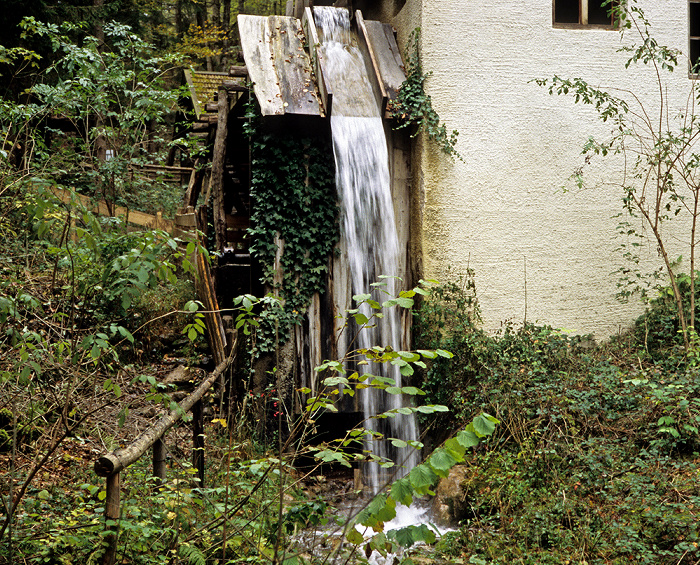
{"points": [[368, 231]]}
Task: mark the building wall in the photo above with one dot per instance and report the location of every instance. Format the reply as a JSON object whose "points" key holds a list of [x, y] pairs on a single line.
{"points": [[535, 250]]}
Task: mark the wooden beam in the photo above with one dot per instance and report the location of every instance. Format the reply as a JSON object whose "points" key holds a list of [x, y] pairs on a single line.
{"points": [[159, 459], [198, 441], [216, 334], [318, 62], [194, 187], [237, 71], [111, 515], [101, 207], [217, 170], [376, 78]]}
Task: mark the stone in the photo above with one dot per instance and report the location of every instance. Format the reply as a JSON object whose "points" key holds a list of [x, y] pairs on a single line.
{"points": [[449, 504]]}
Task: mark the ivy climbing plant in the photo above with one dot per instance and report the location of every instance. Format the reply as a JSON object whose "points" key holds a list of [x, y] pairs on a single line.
{"points": [[295, 211], [414, 108]]}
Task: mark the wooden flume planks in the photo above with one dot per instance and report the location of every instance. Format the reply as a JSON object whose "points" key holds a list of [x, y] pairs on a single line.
{"points": [[288, 70], [278, 64], [313, 42]]}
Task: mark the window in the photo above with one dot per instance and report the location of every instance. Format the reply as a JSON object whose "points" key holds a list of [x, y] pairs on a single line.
{"points": [[694, 35], [576, 13]]}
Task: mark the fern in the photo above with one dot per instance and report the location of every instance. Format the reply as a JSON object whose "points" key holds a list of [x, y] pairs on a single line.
{"points": [[192, 554]]}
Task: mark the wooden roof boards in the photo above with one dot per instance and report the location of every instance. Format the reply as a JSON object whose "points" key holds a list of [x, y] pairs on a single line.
{"points": [[279, 66], [203, 87]]}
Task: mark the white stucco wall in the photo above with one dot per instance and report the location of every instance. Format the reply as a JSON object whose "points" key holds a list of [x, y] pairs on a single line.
{"points": [[501, 212]]}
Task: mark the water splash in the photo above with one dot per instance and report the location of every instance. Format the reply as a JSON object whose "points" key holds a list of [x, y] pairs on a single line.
{"points": [[368, 229]]}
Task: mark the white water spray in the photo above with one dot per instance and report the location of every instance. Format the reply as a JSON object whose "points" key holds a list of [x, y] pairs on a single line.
{"points": [[368, 230]]}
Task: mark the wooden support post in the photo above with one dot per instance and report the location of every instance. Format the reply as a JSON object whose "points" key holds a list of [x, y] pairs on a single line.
{"points": [[111, 514], [217, 169], [212, 317], [198, 440], [237, 71], [159, 459], [194, 187]]}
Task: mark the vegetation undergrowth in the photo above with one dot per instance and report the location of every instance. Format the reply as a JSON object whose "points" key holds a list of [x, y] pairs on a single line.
{"points": [[597, 456]]}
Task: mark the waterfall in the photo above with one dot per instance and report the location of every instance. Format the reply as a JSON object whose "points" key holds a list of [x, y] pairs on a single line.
{"points": [[368, 230]]}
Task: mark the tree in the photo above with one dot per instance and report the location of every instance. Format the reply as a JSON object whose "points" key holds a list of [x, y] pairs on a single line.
{"points": [[658, 144]]}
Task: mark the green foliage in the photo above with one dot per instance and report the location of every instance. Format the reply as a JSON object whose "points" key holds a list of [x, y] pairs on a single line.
{"points": [[93, 116], [596, 455], [414, 108], [659, 328], [295, 214]]}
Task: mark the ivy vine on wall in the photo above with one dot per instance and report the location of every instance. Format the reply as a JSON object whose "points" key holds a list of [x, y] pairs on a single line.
{"points": [[413, 107], [295, 202]]}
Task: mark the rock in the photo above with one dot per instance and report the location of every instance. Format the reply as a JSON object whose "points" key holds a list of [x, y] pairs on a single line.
{"points": [[449, 504], [181, 375]]}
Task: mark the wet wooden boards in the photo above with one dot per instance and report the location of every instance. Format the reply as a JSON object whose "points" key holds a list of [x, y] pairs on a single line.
{"points": [[278, 64]]}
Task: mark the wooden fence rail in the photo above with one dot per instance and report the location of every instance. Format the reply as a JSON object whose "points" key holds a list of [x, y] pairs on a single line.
{"points": [[148, 221], [110, 465]]}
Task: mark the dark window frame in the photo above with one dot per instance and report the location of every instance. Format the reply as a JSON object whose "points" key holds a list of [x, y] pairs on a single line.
{"points": [[694, 38], [581, 10]]}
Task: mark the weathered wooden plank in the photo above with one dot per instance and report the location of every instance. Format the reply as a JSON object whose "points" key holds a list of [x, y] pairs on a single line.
{"points": [[278, 65], [237, 71], [293, 66], [318, 61], [387, 56], [217, 169], [374, 77], [130, 216], [254, 32]]}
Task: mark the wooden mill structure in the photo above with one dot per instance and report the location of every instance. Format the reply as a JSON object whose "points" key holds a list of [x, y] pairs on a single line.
{"points": [[287, 73]]}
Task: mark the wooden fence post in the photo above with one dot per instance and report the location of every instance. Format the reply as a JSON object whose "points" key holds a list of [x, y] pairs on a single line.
{"points": [[198, 440], [159, 459], [112, 514]]}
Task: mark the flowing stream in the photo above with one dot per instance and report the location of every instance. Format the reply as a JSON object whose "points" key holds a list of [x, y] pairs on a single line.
{"points": [[368, 231]]}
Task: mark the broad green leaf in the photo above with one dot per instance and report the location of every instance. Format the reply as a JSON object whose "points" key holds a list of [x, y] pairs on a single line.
{"points": [[483, 426], [354, 537], [422, 478], [408, 536], [456, 449], [402, 492], [441, 461], [467, 438], [360, 319], [335, 381], [412, 390]]}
